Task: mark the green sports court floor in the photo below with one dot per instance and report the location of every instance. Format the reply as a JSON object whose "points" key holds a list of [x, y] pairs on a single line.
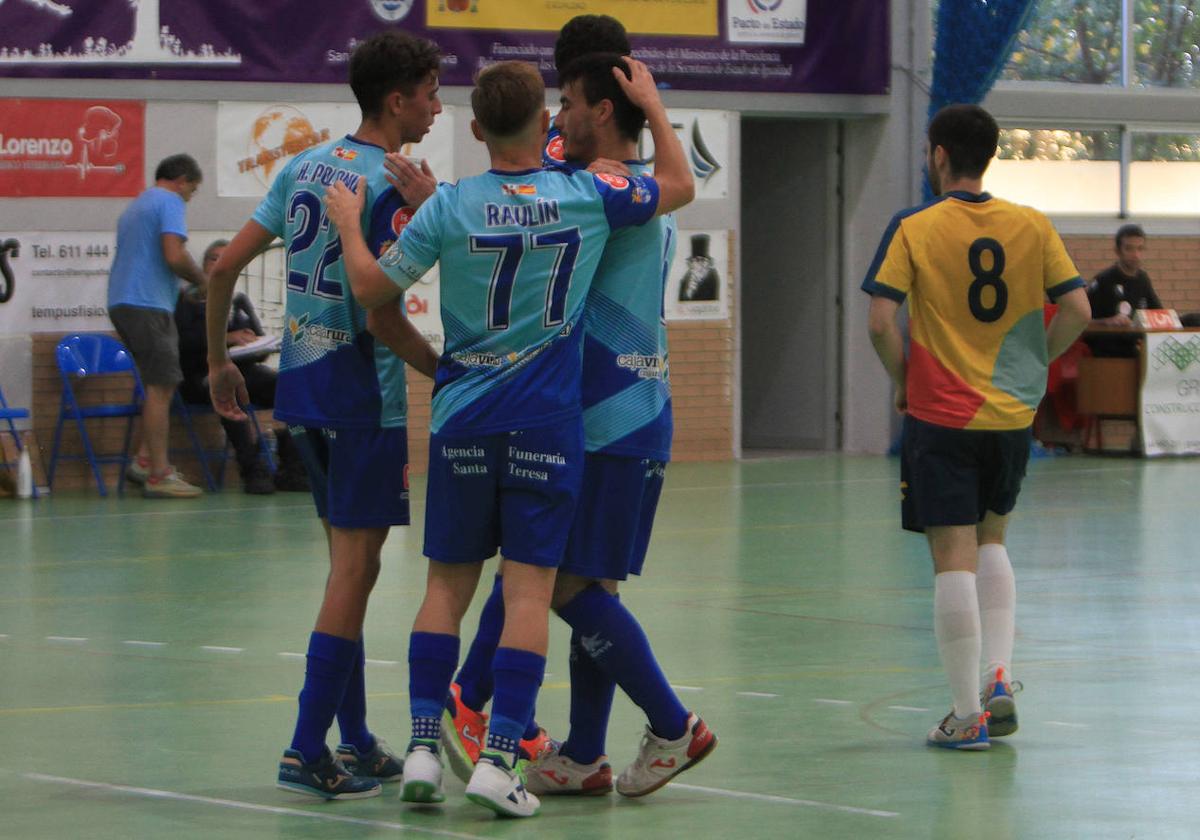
{"points": [[150, 658]]}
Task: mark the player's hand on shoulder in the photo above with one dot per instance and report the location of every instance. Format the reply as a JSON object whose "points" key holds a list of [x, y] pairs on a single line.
{"points": [[604, 166], [343, 207], [415, 183]]}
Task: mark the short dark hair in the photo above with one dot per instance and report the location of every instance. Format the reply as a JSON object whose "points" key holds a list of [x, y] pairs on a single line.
{"points": [[585, 34], [179, 166], [969, 135], [389, 61], [507, 96], [596, 80], [1126, 232], [212, 246]]}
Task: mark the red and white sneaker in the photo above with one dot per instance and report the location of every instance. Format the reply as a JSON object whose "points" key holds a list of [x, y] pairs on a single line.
{"points": [[553, 774], [464, 732], [660, 760]]}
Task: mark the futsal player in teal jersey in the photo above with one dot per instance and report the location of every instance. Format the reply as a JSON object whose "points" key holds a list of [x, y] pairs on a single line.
{"points": [[518, 248], [341, 388]]}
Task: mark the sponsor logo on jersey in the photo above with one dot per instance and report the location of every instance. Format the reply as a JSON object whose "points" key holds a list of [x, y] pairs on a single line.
{"points": [[518, 189], [393, 257], [617, 182], [555, 150], [641, 195], [344, 153]]}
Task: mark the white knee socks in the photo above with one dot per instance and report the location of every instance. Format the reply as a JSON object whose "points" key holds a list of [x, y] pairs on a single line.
{"points": [[997, 609], [956, 626]]}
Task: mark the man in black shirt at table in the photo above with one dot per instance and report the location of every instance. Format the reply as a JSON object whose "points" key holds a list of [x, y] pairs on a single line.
{"points": [[1123, 287]]}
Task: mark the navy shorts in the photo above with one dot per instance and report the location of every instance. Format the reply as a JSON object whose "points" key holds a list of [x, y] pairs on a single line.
{"points": [[954, 476], [512, 491], [616, 512], [359, 477]]}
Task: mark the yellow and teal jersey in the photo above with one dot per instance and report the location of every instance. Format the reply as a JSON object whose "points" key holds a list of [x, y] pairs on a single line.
{"points": [[975, 270]]}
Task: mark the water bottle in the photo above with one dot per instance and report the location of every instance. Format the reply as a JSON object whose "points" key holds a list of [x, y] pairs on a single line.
{"points": [[24, 475]]}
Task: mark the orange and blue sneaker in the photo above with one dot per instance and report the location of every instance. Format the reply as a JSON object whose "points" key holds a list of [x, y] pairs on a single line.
{"points": [[464, 732], [380, 763], [326, 777], [997, 700], [960, 733]]}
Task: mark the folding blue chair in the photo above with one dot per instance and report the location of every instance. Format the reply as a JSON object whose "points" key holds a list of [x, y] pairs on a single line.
{"points": [[186, 411], [90, 355], [8, 415]]}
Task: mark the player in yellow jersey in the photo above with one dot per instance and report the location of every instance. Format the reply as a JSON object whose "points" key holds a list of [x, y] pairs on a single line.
{"points": [[975, 271]]}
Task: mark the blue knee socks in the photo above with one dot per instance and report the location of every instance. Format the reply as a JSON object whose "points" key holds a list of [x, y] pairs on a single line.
{"points": [[616, 643], [330, 662], [352, 713], [518, 675], [475, 675], [431, 661], [592, 693]]}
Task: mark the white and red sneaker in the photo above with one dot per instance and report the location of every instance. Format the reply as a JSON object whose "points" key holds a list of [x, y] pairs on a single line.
{"points": [[553, 774], [660, 760]]}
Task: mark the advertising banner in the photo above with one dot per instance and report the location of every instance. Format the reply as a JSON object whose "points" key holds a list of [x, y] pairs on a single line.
{"points": [[706, 140], [54, 282], [71, 147], [255, 140], [811, 46], [697, 286], [1170, 419]]}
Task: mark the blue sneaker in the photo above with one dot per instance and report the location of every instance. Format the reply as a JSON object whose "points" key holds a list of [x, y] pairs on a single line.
{"points": [[965, 733], [326, 777], [997, 700], [380, 763]]}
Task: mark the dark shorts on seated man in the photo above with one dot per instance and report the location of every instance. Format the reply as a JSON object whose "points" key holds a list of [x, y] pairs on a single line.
{"points": [[512, 491], [152, 340], [955, 476], [359, 477]]}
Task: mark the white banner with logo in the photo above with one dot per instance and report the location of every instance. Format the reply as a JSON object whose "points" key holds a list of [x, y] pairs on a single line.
{"points": [[697, 286], [705, 138], [1170, 419], [766, 21], [255, 140], [54, 282]]}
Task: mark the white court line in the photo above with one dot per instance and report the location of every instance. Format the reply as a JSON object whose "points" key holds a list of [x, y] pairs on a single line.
{"points": [[140, 643], [152, 793], [221, 649], [1065, 723], [66, 638], [833, 702], [3, 635], [292, 654], [686, 687], [783, 800], [909, 708], [381, 661], [756, 694]]}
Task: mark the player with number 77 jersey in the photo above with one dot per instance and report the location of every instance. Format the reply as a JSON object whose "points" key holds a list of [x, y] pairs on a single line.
{"points": [[518, 246]]}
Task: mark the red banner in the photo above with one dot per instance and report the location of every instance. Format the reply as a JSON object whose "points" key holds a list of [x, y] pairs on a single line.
{"points": [[72, 147]]}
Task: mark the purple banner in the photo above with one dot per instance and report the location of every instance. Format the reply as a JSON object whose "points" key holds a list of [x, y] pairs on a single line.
{"points": [[832, 46]]}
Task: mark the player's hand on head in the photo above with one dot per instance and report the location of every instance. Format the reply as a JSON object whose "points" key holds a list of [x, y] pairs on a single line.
{"points": [[640, 87], [415, 183], [605, 166], [343, 207], [227, 389]]}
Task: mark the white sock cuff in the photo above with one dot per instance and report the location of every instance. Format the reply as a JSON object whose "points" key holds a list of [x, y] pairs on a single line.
{"points": [[993, 558]]}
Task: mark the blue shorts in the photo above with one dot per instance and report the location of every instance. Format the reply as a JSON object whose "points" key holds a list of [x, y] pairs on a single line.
{"points": [[515, 491], [616, 512], [954, 476], [359, 477]]}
